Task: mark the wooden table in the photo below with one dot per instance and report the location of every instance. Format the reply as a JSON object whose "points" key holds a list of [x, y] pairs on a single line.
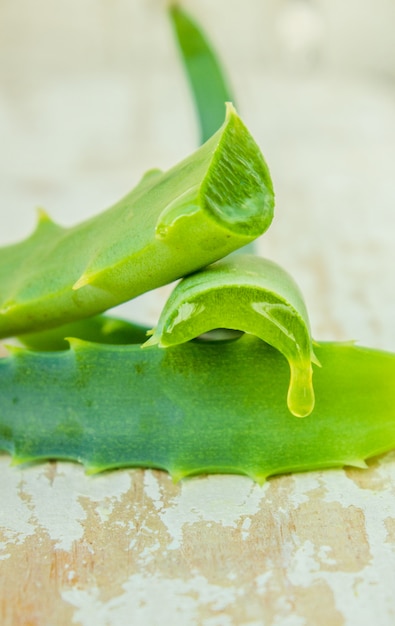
{"points": [[131, 547]]}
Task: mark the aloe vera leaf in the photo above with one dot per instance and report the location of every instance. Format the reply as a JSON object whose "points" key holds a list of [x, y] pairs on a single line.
{"points": [[103, 329], [98, 329], [250, 294], [209, 86], [195, 408], [206, 77], [173, 223]]}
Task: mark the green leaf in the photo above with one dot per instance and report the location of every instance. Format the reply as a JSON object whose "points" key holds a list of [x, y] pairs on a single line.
{"points": [[98, 329], [250, 294], [195, 408], [171, 224], [206, 77]]}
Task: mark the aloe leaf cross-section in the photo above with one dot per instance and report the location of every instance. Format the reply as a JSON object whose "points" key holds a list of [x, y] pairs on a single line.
{"points": [[249, 294]]}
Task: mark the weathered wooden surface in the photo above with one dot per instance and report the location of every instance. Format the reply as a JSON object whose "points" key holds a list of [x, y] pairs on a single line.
{"points": [[132, 547], [81, 120]]}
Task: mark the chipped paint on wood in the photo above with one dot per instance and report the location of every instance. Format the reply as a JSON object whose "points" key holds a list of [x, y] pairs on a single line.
{"points": [[128, 544]]}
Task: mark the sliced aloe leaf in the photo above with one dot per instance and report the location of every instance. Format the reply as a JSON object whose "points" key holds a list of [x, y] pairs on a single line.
{"points": [[250, 294], [195, 408], [173, 223]]}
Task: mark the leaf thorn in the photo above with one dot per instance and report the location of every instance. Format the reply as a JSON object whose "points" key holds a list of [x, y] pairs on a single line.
{"points": [[83, 281]]}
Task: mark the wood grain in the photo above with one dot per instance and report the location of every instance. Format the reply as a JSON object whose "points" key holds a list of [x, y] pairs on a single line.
{"points": [[132, 545]]}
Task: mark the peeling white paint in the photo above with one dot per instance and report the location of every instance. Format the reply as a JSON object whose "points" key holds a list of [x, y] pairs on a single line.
{"points": [[361, 603], [152, 489], [302, 488], [289, 620], [303, 566], [324, 553], [3, 547], [15, 516], [180, 602], [147, 555], [27, 492], [220, 499], [262, 581], [245, 527], [63, 519]]}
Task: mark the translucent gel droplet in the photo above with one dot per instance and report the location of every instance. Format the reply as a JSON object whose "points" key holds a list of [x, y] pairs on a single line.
{"points": [[300, 398]]}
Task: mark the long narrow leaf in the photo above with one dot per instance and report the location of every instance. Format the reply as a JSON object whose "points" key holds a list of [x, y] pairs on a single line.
{"points": [[195, 408], [206, 77]]}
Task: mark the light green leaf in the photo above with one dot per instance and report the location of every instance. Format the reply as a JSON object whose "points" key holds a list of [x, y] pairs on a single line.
{"points": [[250, 294], [171, 224]]}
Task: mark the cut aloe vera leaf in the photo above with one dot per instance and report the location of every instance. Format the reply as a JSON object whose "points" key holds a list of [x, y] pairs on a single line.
{"points": [[250, 294], [173, 223]]}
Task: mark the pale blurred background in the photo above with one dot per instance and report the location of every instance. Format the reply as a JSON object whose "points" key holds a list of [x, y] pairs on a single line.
{"points": [[92, 94]]}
